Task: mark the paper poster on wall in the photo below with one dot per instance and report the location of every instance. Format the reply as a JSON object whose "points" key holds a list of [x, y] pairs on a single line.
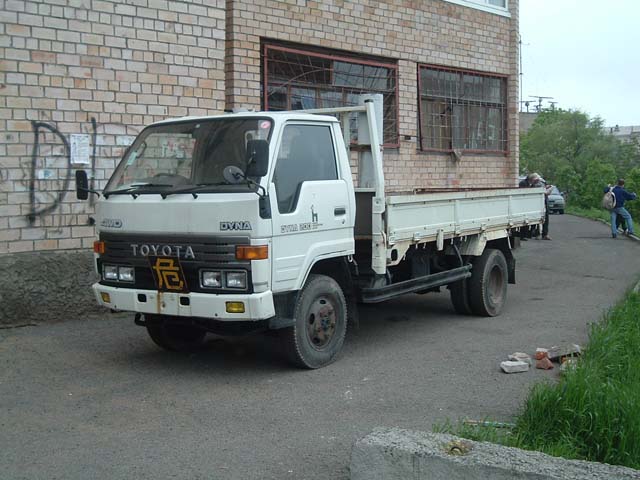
{"points": [[80, 149]]}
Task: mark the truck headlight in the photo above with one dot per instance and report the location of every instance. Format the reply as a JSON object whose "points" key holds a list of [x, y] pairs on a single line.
{"points": [[236, 279], [110, 272], [210, 279], [126, 274]]}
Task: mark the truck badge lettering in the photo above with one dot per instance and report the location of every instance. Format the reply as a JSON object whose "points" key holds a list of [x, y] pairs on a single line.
{"points": [[305, 227], [178, 251], [111, 223], [236, 225]]}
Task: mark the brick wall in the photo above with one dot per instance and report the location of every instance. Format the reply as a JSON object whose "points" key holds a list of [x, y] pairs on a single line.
{"points": [[410, 32], [101, 69]]}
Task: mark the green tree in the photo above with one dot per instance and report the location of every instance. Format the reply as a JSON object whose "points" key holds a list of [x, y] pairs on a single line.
{"points": [[559, 139], [574, 152], [596, 176], [632, 183], [568, 179]]}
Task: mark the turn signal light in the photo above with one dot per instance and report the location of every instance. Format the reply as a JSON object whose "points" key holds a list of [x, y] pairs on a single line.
{"points": [[98, 247], [106, 298], [252, 252], [235, 307]]}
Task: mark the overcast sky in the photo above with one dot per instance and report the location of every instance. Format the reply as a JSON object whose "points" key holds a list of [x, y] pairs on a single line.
{"points": [[585, 54]]}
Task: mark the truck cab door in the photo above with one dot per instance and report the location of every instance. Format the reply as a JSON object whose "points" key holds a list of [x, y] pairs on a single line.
{"points": [[311, 210]]}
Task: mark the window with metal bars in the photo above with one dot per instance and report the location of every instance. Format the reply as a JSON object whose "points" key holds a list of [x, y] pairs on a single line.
{"points": [[296, 79], [462, 110]]}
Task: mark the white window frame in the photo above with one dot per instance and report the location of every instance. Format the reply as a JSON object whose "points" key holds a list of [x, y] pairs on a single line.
{"points": [[484, 5]]}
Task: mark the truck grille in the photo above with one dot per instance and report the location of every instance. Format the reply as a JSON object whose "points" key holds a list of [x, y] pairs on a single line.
{"points": [[208, 252]]}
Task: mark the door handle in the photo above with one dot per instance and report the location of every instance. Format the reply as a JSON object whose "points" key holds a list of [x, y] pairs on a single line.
{"points": [[339, 211]]}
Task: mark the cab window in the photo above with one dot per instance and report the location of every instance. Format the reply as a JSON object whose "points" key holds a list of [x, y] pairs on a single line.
{"points": [[306, 154]]}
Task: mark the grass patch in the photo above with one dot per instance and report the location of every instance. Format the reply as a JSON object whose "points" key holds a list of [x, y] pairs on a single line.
{"points": [[593, 413], [593, 213]]}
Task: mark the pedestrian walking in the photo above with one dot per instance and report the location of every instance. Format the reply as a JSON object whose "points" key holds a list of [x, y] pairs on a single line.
{"points": [[621, 195]]}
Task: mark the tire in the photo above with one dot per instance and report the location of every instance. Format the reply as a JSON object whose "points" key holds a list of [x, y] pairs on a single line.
{"points": [[320, 327], [174, 337], [460, 297], [561, 211], [488, 283]]}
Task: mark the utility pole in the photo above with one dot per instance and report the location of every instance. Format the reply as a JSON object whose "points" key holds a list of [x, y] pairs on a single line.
{"points": [[521, 74], [520, 46]]}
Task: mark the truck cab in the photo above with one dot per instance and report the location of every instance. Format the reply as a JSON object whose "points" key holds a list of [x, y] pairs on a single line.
{"points": [[212, 218]]}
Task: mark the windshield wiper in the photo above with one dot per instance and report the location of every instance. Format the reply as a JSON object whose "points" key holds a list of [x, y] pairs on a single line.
{"points": [[194, 189], [135, 186]]}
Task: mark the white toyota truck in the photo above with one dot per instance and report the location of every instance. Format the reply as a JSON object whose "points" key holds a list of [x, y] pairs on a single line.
{"points": [[251, 221]]}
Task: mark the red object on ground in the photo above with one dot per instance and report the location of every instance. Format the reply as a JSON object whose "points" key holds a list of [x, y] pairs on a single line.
{"points": [[544, 364]]}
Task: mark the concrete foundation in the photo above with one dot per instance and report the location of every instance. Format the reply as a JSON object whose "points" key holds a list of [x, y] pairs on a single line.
{"points": [[396, 454], [46, 287]]}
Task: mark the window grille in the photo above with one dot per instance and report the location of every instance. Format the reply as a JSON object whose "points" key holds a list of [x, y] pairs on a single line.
{"points": [[299, 79], [462, 110]]}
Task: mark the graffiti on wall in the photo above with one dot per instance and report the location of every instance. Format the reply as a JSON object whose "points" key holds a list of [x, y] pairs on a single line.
{"points": [[54, 159], [34, 209]]}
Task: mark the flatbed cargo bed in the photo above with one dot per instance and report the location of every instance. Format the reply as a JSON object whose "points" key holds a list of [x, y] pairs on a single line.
{"points": [[423, 217]]}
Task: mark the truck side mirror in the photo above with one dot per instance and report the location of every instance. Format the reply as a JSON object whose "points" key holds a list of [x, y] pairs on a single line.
{"points": [[257, 158], [82, 185]]}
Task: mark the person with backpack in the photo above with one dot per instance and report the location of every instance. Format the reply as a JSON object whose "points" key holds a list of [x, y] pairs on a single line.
{"points": [[615, 204]]}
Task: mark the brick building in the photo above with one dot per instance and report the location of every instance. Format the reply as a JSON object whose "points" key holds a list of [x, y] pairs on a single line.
{"points": [[79, 79]]}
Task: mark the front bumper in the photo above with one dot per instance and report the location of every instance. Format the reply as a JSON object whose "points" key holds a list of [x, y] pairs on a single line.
{"points": [[258, 306], [555, 207]]}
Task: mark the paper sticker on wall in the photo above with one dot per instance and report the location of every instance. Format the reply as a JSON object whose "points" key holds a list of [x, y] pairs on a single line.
{"points": [[80, 149]]}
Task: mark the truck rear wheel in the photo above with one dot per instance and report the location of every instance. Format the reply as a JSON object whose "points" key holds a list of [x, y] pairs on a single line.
{"points": [[320, 326], [488, 283], [174, 337], [460, 297]]}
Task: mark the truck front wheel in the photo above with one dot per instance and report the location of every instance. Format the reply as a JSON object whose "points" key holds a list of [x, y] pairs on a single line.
{"points": [[488, 283], [174, 337], [320, 326]]}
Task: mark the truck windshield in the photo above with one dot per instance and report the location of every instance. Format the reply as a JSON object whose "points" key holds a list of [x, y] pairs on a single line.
{"points": [[189, 153]]}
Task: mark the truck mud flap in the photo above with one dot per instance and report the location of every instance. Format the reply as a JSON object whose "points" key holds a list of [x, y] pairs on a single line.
{"points": [[276, 323], [387, 292]]}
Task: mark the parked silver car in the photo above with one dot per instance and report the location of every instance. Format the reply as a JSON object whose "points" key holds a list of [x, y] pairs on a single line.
{"points": [[555, 201]]}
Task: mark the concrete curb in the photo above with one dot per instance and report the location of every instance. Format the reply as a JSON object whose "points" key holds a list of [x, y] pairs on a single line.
{"points": [[632, 237], [394, 453]]}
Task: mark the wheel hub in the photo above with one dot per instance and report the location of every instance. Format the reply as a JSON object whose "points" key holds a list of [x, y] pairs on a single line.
{"points": [[321, 322]]}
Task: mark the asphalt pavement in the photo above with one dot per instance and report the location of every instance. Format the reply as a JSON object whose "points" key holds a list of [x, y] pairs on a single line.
{"points": [[95, 398]]}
